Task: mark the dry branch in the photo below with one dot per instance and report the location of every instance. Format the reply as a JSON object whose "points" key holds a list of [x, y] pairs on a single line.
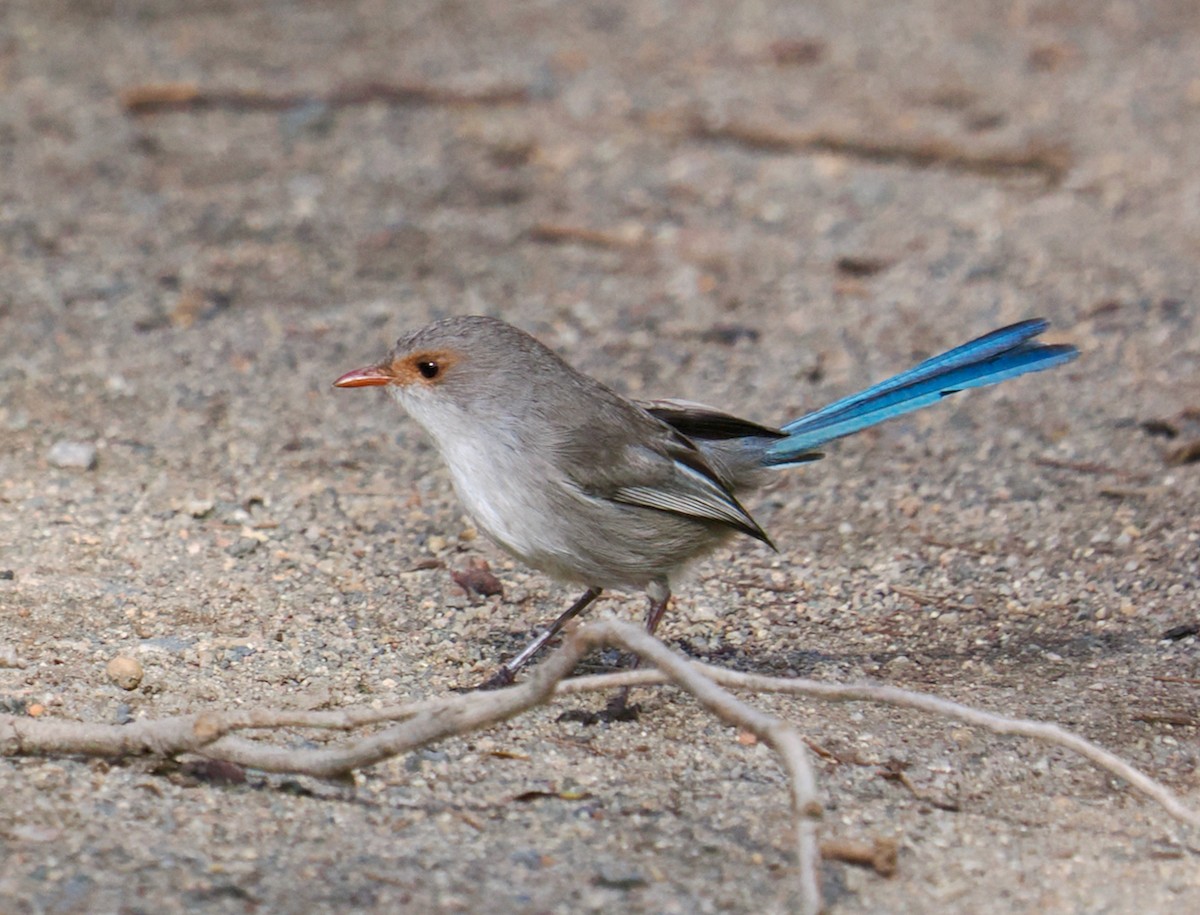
{"points": [[1047, 162], [624, 238], [154, 98], [902, 698], [219, 735], [879, 855], [215, 735]]}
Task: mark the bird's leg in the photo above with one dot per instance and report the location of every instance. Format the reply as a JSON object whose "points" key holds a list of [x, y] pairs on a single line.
{"points": [[507, 673], [658, 607], [618, 707]]}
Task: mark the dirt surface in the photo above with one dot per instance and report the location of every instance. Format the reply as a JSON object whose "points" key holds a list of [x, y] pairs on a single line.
{"points": [[758, 205]]}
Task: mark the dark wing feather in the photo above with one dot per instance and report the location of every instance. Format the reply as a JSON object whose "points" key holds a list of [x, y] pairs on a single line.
{"points": [[697, 421], [695, 490], [630, 455]]}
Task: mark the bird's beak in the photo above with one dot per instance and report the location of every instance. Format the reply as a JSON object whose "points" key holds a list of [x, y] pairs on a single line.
{"points": [[366, 377]]}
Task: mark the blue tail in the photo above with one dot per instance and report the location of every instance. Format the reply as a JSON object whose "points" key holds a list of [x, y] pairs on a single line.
{"points": [[1004, 353]]}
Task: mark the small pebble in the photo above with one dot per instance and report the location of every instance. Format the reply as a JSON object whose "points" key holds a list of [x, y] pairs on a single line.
{"points": [[243, 546], [79, 455], [199, 508], [124, 671], [9, 658], [35, 832]]}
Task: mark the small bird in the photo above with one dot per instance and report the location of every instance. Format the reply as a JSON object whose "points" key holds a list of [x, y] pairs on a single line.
{"points": [[575, 480]]}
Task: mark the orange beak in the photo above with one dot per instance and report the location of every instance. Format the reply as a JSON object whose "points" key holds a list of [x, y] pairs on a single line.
{"points": [[369, 376]]}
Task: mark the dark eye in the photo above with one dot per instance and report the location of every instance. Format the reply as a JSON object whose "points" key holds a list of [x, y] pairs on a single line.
{"points": [[428, 368]]}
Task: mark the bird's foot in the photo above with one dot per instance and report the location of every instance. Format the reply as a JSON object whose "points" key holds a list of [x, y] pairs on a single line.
{"points": [[619, 708], [500, 679]]}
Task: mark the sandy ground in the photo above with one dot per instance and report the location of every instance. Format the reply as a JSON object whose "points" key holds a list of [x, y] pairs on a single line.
{"points": [[759, 205]]}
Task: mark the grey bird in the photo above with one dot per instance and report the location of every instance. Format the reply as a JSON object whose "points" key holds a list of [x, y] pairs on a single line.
{"points": [[575, 480]]}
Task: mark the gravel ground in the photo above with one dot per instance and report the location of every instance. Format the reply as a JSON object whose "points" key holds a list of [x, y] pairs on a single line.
{"points": [[759, 205]]}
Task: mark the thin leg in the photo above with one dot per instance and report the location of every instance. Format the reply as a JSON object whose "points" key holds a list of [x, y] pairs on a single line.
{"points": [[655, 614], [505, 675], [618, 707]]}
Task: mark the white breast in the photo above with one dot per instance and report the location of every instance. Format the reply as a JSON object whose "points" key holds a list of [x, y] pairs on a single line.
{"points": [[502, 487], [493, 484]]}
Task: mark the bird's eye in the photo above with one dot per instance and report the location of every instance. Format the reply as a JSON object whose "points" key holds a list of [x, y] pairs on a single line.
{"points": [[428, 369]]}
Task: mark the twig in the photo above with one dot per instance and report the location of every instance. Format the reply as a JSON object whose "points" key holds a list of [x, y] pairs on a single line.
{"points": [[1176, 719], [624, 238], [896, 773], [779, 735], [881, 855], [902, 698], [1130, 492], [154, 98], [1092, 467], [214, 734], [1048, 162], [932, 599], [217, 735]]}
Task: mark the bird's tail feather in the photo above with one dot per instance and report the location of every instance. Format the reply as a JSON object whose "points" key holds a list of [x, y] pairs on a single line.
{"points": [[1002, 354]]}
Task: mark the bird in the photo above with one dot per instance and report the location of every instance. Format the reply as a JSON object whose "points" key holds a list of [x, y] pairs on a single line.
{"points": [[577, 481]]}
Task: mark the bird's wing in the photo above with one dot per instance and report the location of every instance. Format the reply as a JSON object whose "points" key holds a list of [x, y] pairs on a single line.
{"points": [[698, 421], [693, 489], [626, 454]]}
